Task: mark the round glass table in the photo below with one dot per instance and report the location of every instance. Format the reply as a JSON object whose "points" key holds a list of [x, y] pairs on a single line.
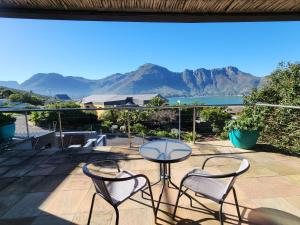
{"points": [[165, 152]]}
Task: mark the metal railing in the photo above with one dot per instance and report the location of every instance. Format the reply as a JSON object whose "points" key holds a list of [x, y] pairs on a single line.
{"points": [[195, 109]]}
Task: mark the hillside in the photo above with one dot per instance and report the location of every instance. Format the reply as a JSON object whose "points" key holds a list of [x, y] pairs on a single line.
{"points": [[148, 78]]}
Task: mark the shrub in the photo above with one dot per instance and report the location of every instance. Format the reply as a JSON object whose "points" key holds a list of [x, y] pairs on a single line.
{"points": [[282, 87], [71, 120], [26, 98], [139, 128], [188, 136], [6, 118], [245, 122], [216, 116]]}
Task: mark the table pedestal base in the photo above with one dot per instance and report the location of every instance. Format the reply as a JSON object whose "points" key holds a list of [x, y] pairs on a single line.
{"points": [[165, 178]]}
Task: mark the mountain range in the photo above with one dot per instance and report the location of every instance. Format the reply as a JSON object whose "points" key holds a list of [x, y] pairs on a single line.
{"points": [[148, 78]]}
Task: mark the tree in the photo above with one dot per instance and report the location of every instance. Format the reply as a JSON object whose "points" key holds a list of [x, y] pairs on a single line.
{"points": [[71, 119], [5, 93], [216, 116], [26, 98], [282, 125], [156, 101]]}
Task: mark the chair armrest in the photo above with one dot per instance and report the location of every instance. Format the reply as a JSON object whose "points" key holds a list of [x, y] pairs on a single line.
{"points": [[220, 156], [225, 175], [127, 178], [87, 172]]}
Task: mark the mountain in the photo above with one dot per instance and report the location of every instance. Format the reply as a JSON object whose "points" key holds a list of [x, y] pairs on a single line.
{"points": [[9, 84], [53, 83], [149, 78]]}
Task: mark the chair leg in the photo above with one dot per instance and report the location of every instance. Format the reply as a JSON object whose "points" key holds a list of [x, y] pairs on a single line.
{"points": [[117, 215], [221, 214], [236, 204], [177, 201], [91, 209], [151, 196]]}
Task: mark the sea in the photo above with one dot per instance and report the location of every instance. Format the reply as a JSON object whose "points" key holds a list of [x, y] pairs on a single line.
{"points": [[207, 100]]}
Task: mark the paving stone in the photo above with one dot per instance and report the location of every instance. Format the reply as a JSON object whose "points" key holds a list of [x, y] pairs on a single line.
{"points": [[96, 219], [21, 185], [49, 183], [13, 161], [2, 159], [6, 202], [63, 202], [4, 182], [4, 169], [53, 220], [76, 182], [41, 170], [58, 192], [28, 206], [17, 221], [19, 171], [64, 169]]}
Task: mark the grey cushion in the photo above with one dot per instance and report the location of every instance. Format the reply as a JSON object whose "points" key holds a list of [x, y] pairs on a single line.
{"points": [[121, 190], [213, 188]]}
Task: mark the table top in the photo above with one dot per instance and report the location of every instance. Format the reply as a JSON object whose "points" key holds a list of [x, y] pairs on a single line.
{"points": [[165, 151]]}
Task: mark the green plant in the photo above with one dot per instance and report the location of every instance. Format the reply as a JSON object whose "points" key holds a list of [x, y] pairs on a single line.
{"points": [[216, 116], [26, 98], [162, 133], [224, 135], [6, 118], [282, 87], [106, 125], [174, 133], [71, 119], [188, 136], [245, 122], [139, 128]]}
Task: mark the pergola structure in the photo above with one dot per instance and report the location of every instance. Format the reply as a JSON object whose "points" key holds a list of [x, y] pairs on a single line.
{"points": [[154, 10]]}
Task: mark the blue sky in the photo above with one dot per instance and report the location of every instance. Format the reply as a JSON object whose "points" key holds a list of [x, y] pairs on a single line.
{"points": [[97, 49]]}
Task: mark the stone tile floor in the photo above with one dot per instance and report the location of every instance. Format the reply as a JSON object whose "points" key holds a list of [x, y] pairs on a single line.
{"points": [[48, 187]]}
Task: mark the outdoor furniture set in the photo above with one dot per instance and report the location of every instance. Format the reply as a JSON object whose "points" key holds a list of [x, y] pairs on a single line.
{"points": [[115, 188]]}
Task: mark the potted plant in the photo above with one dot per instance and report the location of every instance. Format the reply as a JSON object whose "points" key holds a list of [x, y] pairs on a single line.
{"points": [[244, 131], [7, 127]]}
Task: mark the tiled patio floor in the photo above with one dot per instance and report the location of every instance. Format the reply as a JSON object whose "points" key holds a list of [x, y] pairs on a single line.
{"points": [[50, 188]]}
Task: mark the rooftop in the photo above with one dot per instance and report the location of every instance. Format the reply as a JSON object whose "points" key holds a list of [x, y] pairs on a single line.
{"points": [[114, 97], [48, 187]]}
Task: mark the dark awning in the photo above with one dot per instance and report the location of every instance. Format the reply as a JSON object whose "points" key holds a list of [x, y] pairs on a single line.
{"points": [[154, 10]]}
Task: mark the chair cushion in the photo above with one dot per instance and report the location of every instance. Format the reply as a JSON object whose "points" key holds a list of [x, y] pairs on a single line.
{"points": [[213, 188], [121, 190]]}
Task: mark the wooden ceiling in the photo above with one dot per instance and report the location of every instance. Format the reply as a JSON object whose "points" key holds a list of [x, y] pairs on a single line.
{"points": [[154, 10]]}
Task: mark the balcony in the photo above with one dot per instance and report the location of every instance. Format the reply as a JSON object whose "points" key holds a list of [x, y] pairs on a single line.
{"points": [[49, 187]]}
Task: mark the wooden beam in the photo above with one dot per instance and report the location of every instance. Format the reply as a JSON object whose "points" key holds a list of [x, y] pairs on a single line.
{"points": [[146, 16]]}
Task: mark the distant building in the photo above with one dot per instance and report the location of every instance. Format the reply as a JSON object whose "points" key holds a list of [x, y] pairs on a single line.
{"points": [[102, 101], [62, 97]]}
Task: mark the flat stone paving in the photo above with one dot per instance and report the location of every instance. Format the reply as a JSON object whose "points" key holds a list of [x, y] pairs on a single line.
{"points": [[48, 187]]}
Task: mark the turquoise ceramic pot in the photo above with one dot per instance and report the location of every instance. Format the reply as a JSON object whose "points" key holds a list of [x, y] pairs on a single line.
{"points": [[7, 132], [243, 138]]}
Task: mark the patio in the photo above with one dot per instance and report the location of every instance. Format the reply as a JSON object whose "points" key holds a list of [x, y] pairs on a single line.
{"points": [[49, 187]]}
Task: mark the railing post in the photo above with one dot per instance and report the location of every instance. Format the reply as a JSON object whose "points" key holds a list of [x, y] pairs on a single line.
{"points": [[26, 121], [128, 125], [179, 123], [60, 132], [194, 125]]}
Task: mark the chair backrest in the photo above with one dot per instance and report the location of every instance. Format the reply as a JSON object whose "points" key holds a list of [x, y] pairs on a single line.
{"points": [[100, 182], [244, 166], [101, 188]]}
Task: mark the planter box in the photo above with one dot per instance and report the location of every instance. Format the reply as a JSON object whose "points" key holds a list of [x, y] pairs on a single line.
{"points": [[243, 139], [7, 132]]}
